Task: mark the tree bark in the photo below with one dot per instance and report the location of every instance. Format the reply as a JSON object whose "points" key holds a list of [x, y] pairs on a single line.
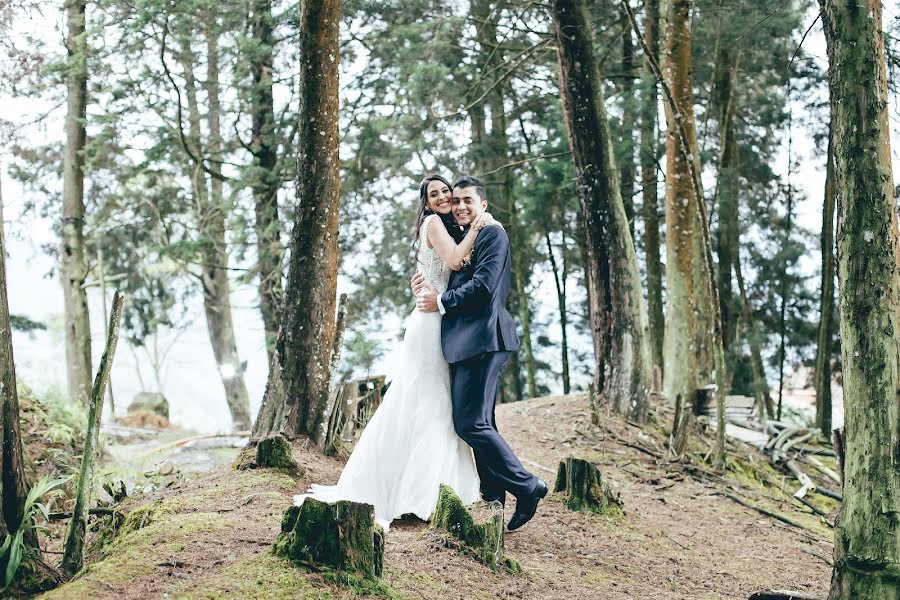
{"points": [[73, 271], [765, 405], [626, 142], [649, 165], [826, 311], [297, 390], [12, 463], [681, 368], [73, 554], [622, 372], [867, 530], [266, 180], [492, 151]]}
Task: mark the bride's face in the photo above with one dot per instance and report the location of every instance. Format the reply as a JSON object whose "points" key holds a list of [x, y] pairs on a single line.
{"points": [[439, 197]]}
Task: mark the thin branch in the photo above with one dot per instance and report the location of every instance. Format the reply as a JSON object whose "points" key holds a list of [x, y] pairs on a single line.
{"points": [[523, 161], [761, 21], [803, 39]]}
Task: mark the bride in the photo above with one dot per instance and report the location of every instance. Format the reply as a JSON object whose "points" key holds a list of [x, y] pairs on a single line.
{"points": [[409, 446]]}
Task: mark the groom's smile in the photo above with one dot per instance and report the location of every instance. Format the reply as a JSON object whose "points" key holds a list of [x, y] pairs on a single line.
{"points": [[467, 205]]}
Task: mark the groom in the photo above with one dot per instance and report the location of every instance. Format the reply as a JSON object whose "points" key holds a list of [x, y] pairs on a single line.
{"points": [[478, 336]]}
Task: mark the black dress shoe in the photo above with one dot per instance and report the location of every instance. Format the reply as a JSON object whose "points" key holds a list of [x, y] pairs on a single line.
{"points": [[526, 507]]}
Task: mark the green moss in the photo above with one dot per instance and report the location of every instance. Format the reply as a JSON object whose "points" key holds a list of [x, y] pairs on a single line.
{"points": [[260, 576], [341, 536], [360, 586], [141, 549], [275, 452], [585, 488], [483, 541]]}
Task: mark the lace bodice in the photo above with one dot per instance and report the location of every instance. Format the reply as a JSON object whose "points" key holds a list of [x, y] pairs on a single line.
{"points": [[436, 272]]}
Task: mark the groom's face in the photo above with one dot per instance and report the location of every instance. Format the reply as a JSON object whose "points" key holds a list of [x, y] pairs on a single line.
{"points": [[467, 205]]}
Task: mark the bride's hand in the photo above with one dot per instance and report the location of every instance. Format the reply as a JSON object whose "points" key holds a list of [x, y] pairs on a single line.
{"points": [[483, 220]]}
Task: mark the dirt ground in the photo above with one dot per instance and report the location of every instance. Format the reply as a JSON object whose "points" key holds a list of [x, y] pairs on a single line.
{"points": [[680, 536]]}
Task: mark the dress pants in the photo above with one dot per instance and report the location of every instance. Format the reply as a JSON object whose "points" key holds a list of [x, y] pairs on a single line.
{"points": [[474, 384]]}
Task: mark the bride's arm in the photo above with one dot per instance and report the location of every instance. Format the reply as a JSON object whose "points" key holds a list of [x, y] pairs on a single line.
{"points": [[447, 248]]}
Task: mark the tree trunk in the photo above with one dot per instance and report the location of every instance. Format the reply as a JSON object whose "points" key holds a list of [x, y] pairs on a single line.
{"points": [[73, 554], [727, 200], [73, 271], [559, 279], [491, 152], [764, 404], [622, 375], [783, 288], [266, 180], [867, 530], [297, 390], [625, 156], [649, 165], [681, 367], [826, 312], [12, 463], [216, 288]]}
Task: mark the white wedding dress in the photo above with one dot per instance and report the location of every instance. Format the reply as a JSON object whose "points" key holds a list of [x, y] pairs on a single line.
{"points": [[409, 446]]}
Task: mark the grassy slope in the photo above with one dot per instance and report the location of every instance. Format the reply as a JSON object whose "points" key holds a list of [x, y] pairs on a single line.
{"points": [[210, 537]]}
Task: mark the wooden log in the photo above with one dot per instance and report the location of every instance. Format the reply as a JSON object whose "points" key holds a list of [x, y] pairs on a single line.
{"points": [[482, 540], [342, 536], [585, 488], [73, 555]]}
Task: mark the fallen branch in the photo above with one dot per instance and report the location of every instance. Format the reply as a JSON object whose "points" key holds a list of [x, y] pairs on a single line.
{"points": [[761, 510], [806, 484], [782, 595], [97, 512], [190, 439], [823, 469]]}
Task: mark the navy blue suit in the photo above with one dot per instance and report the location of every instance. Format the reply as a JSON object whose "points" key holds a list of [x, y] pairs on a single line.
{"points": [[478, 336]]}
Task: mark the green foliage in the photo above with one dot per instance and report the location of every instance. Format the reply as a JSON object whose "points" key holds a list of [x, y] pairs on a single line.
{"points": [[23, 323], [14, 549]]}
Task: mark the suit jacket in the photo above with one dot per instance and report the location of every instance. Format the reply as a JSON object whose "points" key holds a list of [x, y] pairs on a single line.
{"points": [[476, 319]]}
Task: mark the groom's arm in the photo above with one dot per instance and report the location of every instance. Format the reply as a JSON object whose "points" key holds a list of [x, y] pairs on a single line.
{"points": [[491, 250]]}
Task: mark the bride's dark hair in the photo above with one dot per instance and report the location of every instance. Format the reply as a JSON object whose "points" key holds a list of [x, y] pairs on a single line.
{"points": [[424, 210]]}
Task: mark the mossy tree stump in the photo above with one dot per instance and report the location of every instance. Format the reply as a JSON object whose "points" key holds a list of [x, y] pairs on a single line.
{"points": [[274, 451], [585, 488], [342, 536], [484, 540]]}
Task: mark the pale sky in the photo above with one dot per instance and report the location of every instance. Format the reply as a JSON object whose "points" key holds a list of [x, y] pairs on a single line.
{"points": [[192, 383]]}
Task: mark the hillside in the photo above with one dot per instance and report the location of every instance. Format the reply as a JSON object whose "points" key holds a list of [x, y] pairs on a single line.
{"points": [[680, 537]]}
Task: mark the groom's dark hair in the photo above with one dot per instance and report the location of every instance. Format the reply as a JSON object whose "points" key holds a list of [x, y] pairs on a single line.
{"points": [[468, 181]]}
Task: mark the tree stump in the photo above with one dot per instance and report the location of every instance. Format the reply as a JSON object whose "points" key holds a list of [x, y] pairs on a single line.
{"points": [[275, 452], [585, 488], [483, 540], [342, 536]]}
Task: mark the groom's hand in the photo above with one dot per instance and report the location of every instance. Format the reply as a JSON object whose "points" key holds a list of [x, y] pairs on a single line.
{"points": [[418, 283], [426, 300]]}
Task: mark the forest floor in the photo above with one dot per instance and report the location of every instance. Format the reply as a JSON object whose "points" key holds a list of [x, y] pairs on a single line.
{"points": [[680, 537]]}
